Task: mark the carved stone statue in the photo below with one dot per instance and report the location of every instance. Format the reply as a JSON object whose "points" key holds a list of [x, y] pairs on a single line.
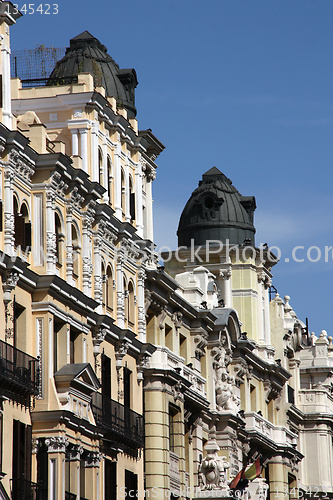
{"points": [[224, 382], [213, 470]]}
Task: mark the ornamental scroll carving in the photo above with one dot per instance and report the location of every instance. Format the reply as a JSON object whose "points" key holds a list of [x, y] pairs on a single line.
{"points": [[21, 166]]}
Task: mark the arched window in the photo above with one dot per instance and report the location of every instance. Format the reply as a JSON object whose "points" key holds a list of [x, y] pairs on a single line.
{"points": [[132, 201], [100, 167], [130, 304], [22, 226], [104, 293], [76, 251], [125, 299], [109, 179], [59, 238], [109, 288], [123, 193]]}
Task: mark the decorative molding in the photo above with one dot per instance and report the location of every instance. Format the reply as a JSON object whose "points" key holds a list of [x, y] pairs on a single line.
{"points": [[58, 184], [23, 168]]}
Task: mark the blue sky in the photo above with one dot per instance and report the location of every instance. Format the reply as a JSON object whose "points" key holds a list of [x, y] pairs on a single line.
{"points": [[245, 85]]}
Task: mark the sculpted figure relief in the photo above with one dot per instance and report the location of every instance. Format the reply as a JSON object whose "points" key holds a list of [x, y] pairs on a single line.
{"points": [[224, 382]]}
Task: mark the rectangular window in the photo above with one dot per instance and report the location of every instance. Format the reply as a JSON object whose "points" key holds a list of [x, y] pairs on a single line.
{"points": [[127, 387], [132, 206], [72, 351], [172, 428], [19, 326], [131, 484], [82, 479], [110, 480], [168, 337], [42, 470], [291, 395], [56, 328], [106, 376], [253, 398]]}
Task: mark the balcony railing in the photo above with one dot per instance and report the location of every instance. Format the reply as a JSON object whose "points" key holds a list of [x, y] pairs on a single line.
{"points": [[22, 489], [43, 82], [69, 496], [18, 373], [119, 423]]}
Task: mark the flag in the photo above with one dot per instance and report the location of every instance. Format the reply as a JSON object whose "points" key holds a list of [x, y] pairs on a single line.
{"points": [[251, 473], [236, 479]]}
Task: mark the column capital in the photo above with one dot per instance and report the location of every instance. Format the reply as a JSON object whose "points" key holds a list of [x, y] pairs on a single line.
{"points": [[56, 444], [93, 459]]}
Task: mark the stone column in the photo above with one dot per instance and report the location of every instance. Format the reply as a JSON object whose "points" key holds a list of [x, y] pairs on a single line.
{"points": [[127, 193], [260, 305], [138, 200], [84, 148], [267, 285], [75, 141], [6, 87], [93, 466], [69, 245], [87, 266], [94, 173], [225, 286], [56, 447], [141, 306], [117, 179], [105, 172], [9, 220], [120, 290], [74, 453], [149, 205], [50, 234], [98, 293], [278, 478]]}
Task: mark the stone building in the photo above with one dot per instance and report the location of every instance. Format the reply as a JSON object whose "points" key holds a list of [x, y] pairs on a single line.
{"points": [[118, 376], [76, 199]]}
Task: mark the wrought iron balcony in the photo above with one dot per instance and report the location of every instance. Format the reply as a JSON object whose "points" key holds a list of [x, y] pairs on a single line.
{"points": [[22, 489], [19, 374], [117, 422]]}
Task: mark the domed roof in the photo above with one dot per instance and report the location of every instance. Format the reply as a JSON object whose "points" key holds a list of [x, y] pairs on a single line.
{"points": [[86, 54], [217, 211]]}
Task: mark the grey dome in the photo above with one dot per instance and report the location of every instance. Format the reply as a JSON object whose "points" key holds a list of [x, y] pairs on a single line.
{"points": [[217, 211], [86, 54]]}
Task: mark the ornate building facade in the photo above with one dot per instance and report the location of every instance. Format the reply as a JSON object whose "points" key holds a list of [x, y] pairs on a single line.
{"points": [[120, 377]]}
